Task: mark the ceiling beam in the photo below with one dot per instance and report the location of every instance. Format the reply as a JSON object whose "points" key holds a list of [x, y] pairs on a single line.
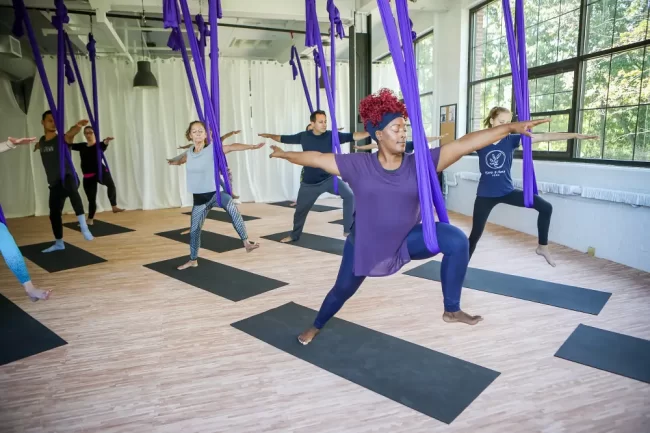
{"points": [[102, 21]]}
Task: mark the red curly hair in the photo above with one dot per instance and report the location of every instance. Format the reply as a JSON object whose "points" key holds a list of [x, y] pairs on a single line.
{"points": [[373, 107]]}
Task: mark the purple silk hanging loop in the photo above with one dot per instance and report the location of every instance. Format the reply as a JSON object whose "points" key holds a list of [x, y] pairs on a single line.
{"points": [[518, 64], [220, 163], [204, 33], [329, 91], [295, 59], [404, 62], [3, 220], [316, 68], [336, 29]]}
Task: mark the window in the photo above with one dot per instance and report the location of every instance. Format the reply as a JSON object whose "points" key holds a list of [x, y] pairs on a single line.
{"points": [[589, 71], [424, 64]]}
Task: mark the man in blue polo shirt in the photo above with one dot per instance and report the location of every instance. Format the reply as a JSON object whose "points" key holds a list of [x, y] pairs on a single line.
{"points": [[316, 181]]}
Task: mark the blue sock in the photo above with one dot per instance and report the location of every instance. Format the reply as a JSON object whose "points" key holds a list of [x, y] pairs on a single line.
{"points": [[84, 227], [58, 245]]}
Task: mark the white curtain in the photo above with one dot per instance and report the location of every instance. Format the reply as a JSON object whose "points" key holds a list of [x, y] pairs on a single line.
{"points": [[16, 184], [149, 126], [384, 75]]}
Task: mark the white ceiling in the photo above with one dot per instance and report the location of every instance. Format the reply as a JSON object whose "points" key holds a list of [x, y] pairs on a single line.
{"points": [[122, 36]]}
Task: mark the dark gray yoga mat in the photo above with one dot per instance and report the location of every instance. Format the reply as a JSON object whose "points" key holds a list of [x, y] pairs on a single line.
{"points": [[339, 222], [315, 208], [209, 240], [608, 351], [21, 335], [222, 216], [528, 289], [222, 280], [430, 382], [70, 258], [312, 242], [100, 228]]}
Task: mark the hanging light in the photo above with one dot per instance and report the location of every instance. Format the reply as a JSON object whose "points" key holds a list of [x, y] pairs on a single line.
{"points": [[144, 78]]}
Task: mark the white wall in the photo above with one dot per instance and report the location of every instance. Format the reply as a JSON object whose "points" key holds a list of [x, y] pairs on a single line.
{"points": [[618, 232]]}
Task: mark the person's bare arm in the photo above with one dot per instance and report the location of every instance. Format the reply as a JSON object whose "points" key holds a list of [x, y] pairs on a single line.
{"points": [[72, 132], [452, 152], [178, 160], [560, 136], [274, 137], [324, 161], [360, 135], [238, 147], [230, 134], [372, 145]]}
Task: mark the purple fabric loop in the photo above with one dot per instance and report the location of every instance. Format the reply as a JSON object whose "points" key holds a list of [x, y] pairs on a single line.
{"points": [[404, 61], [61, 17], [292, 62], [93, 114], [518, 63], [211, 105], [175, 40], [204, 32], [170, 14], [90, 46], [3, 220], [329, 83], [335, 19], [316, 68], [414, 35], [69, 73], [294, 55]]}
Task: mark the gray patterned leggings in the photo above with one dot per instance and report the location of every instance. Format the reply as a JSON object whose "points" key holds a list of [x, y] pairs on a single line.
{"points": [[199, 213]]}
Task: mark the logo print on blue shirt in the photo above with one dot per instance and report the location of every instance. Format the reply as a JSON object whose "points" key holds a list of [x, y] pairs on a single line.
{"points": [[495, 159]]}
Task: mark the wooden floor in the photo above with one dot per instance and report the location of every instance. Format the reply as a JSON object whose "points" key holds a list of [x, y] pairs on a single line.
{"points": [[147, 353]]}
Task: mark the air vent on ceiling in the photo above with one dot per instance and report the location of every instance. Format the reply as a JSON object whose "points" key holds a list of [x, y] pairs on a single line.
{"points": [[10, 45]]}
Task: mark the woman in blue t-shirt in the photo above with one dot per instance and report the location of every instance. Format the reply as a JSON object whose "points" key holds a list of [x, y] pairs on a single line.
{"points": [[495, 185]]}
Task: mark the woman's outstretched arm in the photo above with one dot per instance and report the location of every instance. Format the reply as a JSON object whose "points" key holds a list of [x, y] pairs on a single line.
{"points": [[324, 161]]}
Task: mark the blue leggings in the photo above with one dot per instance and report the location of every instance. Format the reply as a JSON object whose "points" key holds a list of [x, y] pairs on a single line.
{"points": [[453, 245], [12, 255]]}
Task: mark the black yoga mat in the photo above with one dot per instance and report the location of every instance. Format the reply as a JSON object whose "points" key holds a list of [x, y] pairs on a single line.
{"points": [[100, 228], [21, 335], [70, 258], [222, 216], [209, 240], [315, 208], [609, 351], [340, 222], [528, 289], [312, 242], [219, 279], [427, 381]]}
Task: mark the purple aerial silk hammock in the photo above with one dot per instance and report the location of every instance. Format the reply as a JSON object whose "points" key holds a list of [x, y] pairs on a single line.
{"points": [[404, 61], [518, 63], [312, 38], [3, 220], [93, 114], [295, 58], [172, 16], [61, 17]]}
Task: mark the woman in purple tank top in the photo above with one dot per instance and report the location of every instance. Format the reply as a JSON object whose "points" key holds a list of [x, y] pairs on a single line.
{"points": [[387, 204]]}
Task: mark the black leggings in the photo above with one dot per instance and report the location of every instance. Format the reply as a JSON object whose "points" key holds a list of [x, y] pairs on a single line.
{"points": [[58, 193], [90, 187], [483, 206]]}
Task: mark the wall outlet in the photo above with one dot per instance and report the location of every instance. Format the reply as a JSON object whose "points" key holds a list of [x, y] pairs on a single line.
{"points": [[591, 251]]}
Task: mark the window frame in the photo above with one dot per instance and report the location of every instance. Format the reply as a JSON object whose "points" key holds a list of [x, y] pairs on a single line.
{"points": [[575, 64]]}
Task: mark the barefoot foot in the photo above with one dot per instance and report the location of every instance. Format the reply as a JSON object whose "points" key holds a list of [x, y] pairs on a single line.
{"points": [[461, 317], [250, 245], [287, 240], [190, 264], [306, 337], [543, 250], [34, 293], [186, 232], [293, 204], [117, 209], [90, 222]]}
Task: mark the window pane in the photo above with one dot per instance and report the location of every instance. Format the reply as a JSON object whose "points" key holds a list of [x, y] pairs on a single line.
{"points": [[426, 102], [494, 20], [600, 19], [645, 82], [593, 123], [570, 5], [551, 93], [596, 82], [620, 133], [631, 21], [547, 39], [568, 35], [559, 123], [625, 78], [485, 96], [424, 59], [642, 149], [531, 11], [531, 46]]}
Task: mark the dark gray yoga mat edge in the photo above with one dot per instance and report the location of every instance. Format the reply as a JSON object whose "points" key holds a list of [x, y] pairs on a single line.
{"points": [[100, 228], [215, 242], [314, 208], [527, 289], [21, 335], [430, 382], [219, 279], [311, 242], [71, 257], [608, 351], [217, 215]]}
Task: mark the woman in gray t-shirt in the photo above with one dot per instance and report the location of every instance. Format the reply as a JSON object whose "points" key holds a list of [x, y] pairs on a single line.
{"points": [[201, 183]]}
